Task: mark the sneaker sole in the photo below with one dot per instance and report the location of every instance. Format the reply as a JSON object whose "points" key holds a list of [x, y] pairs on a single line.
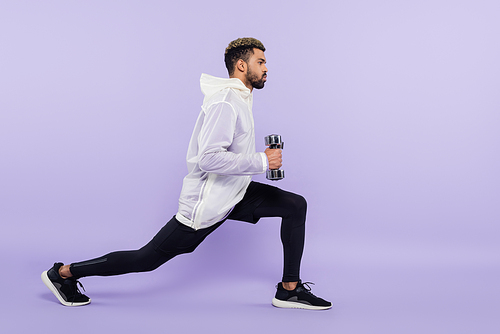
{"points": [[48, 283], [287, 304]]}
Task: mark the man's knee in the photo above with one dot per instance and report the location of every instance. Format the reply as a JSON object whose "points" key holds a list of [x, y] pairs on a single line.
{"points": [[300, 204], [296, 206]]}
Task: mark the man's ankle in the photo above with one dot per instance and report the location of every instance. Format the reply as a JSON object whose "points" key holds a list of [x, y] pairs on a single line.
{"points": [[64, 272], [289, 285]]}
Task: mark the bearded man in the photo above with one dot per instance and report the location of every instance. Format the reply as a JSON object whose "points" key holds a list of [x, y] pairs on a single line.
{"points": [[221, 160]]}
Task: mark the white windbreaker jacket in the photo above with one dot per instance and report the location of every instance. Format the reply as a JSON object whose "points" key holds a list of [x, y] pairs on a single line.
{"points": [[221, 156]]}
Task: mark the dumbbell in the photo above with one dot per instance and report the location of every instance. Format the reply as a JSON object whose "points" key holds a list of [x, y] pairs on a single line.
{"points": [[274, 142]]}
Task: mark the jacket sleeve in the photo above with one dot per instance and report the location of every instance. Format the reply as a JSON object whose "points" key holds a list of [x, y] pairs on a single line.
{"points": [[214, 142]]}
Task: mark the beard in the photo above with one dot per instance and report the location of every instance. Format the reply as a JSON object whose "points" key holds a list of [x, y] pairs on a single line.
{"points": [[255, 81]]}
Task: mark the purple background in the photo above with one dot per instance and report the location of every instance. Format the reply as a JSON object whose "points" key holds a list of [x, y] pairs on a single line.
{"points": [[391, 114]]}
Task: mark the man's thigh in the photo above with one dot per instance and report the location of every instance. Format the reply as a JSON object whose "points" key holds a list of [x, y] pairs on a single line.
{"points": [[176, 238], [256, 195]]}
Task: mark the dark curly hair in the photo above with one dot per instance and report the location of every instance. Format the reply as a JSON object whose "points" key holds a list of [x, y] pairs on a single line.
{"points": [[241, 48]]}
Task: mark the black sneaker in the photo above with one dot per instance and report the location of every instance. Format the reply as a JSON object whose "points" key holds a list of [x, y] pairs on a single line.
{"points": [[66, 290], [301, 297]]}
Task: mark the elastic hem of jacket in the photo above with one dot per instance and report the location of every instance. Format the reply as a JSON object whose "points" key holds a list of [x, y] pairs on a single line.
{"points": [[264, 161]]}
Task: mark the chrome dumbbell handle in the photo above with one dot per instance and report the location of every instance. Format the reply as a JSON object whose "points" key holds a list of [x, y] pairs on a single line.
{"points": [[275, 174], [274, 142]]}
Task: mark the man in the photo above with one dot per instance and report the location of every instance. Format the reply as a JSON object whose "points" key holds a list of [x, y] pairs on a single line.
{"points": [[221, 160]]}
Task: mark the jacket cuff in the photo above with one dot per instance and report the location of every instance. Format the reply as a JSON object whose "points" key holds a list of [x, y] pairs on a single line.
{"points": [[264, 161]]}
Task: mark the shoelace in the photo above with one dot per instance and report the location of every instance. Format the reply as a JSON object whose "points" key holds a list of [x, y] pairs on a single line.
{"points": [[307, 284], [307, 288], [77, 291]]}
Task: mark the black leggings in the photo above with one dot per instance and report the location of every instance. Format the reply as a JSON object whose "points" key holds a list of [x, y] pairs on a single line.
{"points": [[260, 200]]}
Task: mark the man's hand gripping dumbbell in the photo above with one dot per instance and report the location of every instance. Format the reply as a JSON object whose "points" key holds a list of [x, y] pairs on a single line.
{"points": [[274, 157]]}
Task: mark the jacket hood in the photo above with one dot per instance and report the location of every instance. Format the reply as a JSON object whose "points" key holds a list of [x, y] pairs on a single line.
{"points": [[211, 85]]}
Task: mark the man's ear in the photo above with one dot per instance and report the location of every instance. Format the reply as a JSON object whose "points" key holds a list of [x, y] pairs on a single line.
{"points": [[241, 65]]}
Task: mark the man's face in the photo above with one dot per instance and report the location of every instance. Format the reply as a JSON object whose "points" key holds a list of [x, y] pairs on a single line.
{"points": [[257, 70]]}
